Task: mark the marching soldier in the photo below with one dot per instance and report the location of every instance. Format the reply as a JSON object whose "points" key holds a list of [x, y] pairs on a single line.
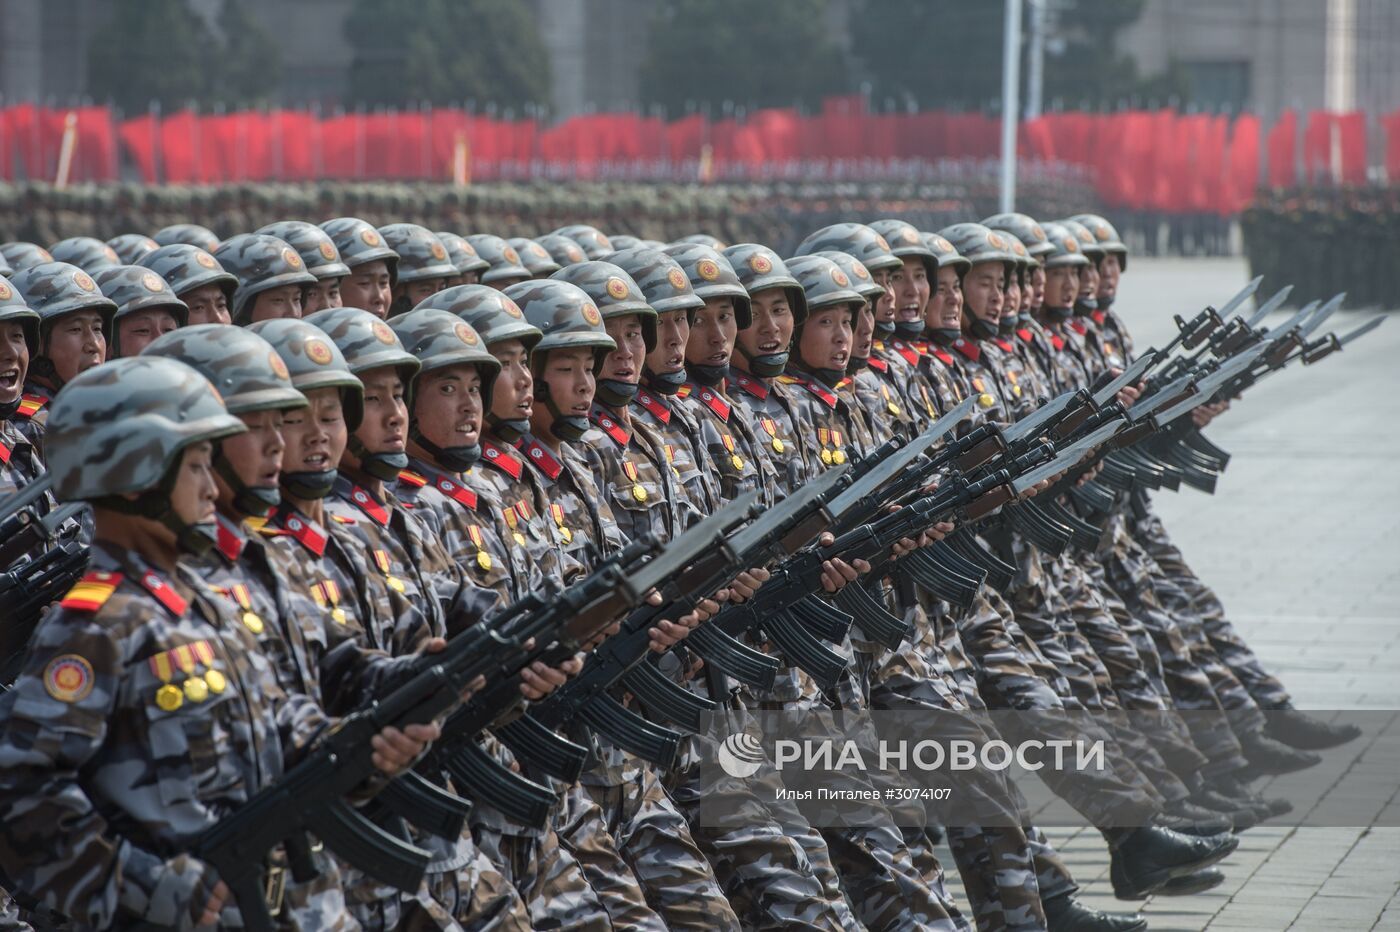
{"points": [[372, 264], [197, 279], [322, 261], [270, 276], [423, 266], [146, 308]]}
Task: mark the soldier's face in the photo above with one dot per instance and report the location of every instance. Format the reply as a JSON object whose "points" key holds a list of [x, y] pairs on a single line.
{"points": [[911, 289], [568, 376], [1013, 297], [386, 416], [419, 291], [76, 344], [826, 338], [1061, 285], [884, 307], [1037, 289], [712, 335], [367, 287], [449, 406], [194, 497], [863, 334], [945, 304], [513, 395], [983, 290], [277, 303], [14, 361], [672, 337], [136, 331], [773, 323], [1089, 281], [624, 364], [315, 436], [255, 454], [208, 305], [1109, 272], [320, 296], [470, 278]]}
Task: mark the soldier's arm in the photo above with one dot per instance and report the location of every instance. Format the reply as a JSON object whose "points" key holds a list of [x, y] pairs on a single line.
{"points": [[56, 846]]}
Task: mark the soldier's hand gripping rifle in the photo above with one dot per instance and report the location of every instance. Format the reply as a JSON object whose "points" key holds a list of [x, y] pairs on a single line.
{"points": [[40, 566], [311, 796]]}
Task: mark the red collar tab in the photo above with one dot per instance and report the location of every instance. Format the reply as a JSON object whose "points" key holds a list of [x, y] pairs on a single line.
{"points": [[307, 532], [539, 455], [879, 365], [501, 458], [1099, 317], [230, 539], [1079, 327], [654, 405], [366, 503], [165, 593], [1005, 344], [749, 384], [1025, 334], [611, 427], [712, 400], [1057, 341], [816, 388], [4, 453], [968, 348], [942, 355], [910, 354], [456, 492]]}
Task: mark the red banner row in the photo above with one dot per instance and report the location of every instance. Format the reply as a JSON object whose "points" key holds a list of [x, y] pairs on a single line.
{"points": [[1147, 160]]}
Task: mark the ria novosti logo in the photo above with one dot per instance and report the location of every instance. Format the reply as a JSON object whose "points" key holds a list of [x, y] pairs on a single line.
{"points": [[741, 755]]}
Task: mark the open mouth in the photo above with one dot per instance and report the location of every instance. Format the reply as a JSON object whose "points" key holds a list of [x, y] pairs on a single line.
{"points": [[9, 379], [526, 405], [839, 360], [316, 462], [769, 347], [717, 359], [581, 409]]}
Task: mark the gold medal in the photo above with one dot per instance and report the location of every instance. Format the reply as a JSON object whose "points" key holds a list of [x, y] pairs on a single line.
{"points": [[252, 622], [519, 538], [1016, 390], [986, 401], [893, 408], [778, 445], [395, 583], [169, 698], [338, 615], [826, 456], [566, 535], [215, 681], [639, 493], [838, 457], [196, 689], [483, 559], [738, 462]]}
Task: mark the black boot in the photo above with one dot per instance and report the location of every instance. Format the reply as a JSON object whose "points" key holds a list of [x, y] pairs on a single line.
{"points": [[1305, 733], [1197, 882], [1066, 914], [1267, 756], [1238, 811], [1266, 807], [1146, 858], [1201, 821]]}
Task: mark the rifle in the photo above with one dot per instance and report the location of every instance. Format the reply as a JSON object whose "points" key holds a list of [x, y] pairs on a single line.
{"points": [[310, 796], [28, 586]]}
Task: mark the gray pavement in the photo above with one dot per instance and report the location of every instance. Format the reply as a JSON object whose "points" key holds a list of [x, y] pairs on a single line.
{"points": [[1302, 543]]}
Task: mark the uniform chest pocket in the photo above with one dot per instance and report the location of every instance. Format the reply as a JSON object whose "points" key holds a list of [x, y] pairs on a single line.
{"points": [[193, 730]]}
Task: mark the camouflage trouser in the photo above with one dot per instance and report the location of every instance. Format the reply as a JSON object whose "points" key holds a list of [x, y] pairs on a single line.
{"points": [[547, 877], [1201, 601], [10, 920], [999, 874], [583, 831]]}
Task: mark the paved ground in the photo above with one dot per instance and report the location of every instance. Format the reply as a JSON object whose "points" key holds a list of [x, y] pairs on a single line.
{"points": [[1302, 543]]}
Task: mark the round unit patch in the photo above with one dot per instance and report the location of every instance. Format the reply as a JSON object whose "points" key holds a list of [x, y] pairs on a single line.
{"points": [[206, 260], [677, 279], [383, 334], [68, 678], [84, 281], [318, 352], [617, 288], [839, 277], [760, 263], [327, 250], [278, 366], [590, 314], [290, 255], [438, 251], [370, 237], [467, 335], [153, 282], [708, 269]]}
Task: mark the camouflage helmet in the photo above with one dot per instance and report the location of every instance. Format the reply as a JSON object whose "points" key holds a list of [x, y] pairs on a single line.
{"points": [[944, 253], [978, 244], [535, 257], [131, 248], [422, 256], [5, 270], [185, 268], [440, 339], [711, 276], [760, 268], [562, 249], [359, 243], [462, 254], [1065, 247], [701, 239], [823, 282], [13, 309], [261, 263], [614, 292], [313, 244], [564, 314], [591, 240], [21, 255], [1088, 244], [1106, 236], [57, 288], [120, 427], [663, 282], [365, 341], [621, 241], [189, 234], [89, 254], [854, 239], [245, 368], [494, 316], [504, 261], [136, 288], [1024, 260], [314, 361], [862, 282], [1024, 228], [903, 238]]}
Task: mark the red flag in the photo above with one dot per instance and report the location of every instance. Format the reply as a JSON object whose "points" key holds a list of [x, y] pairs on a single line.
{"points": [[1391, 125], [1351, 128], [1242, 172], [1283, 159], [1317, 147]]}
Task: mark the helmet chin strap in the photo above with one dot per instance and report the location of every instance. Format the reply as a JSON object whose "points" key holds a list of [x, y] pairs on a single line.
{"points": [[708, 375], [1105, 301], [885, 328], [247, 500], [1007, 325], [1059, 313], [856, 364], [909, 329], [945, 336], [1085, 306], [615, 393], [195, 538], [982, 329], [509, 429], [454, 459], [567, 427], [382, 466], [309, 485], [768, 365], [664, 383]]}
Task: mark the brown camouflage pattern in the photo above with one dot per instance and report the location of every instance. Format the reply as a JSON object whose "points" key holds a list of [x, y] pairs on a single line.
{"points": [[260, 263], [313, 244], [133, 288], [189, 234], [562, 249], [244, 368], [20, 256], [614, 293], [365, 341], [314, 361], [563, 313], [759, 268], [1025, 229], [711, 276], [57, 288]]}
